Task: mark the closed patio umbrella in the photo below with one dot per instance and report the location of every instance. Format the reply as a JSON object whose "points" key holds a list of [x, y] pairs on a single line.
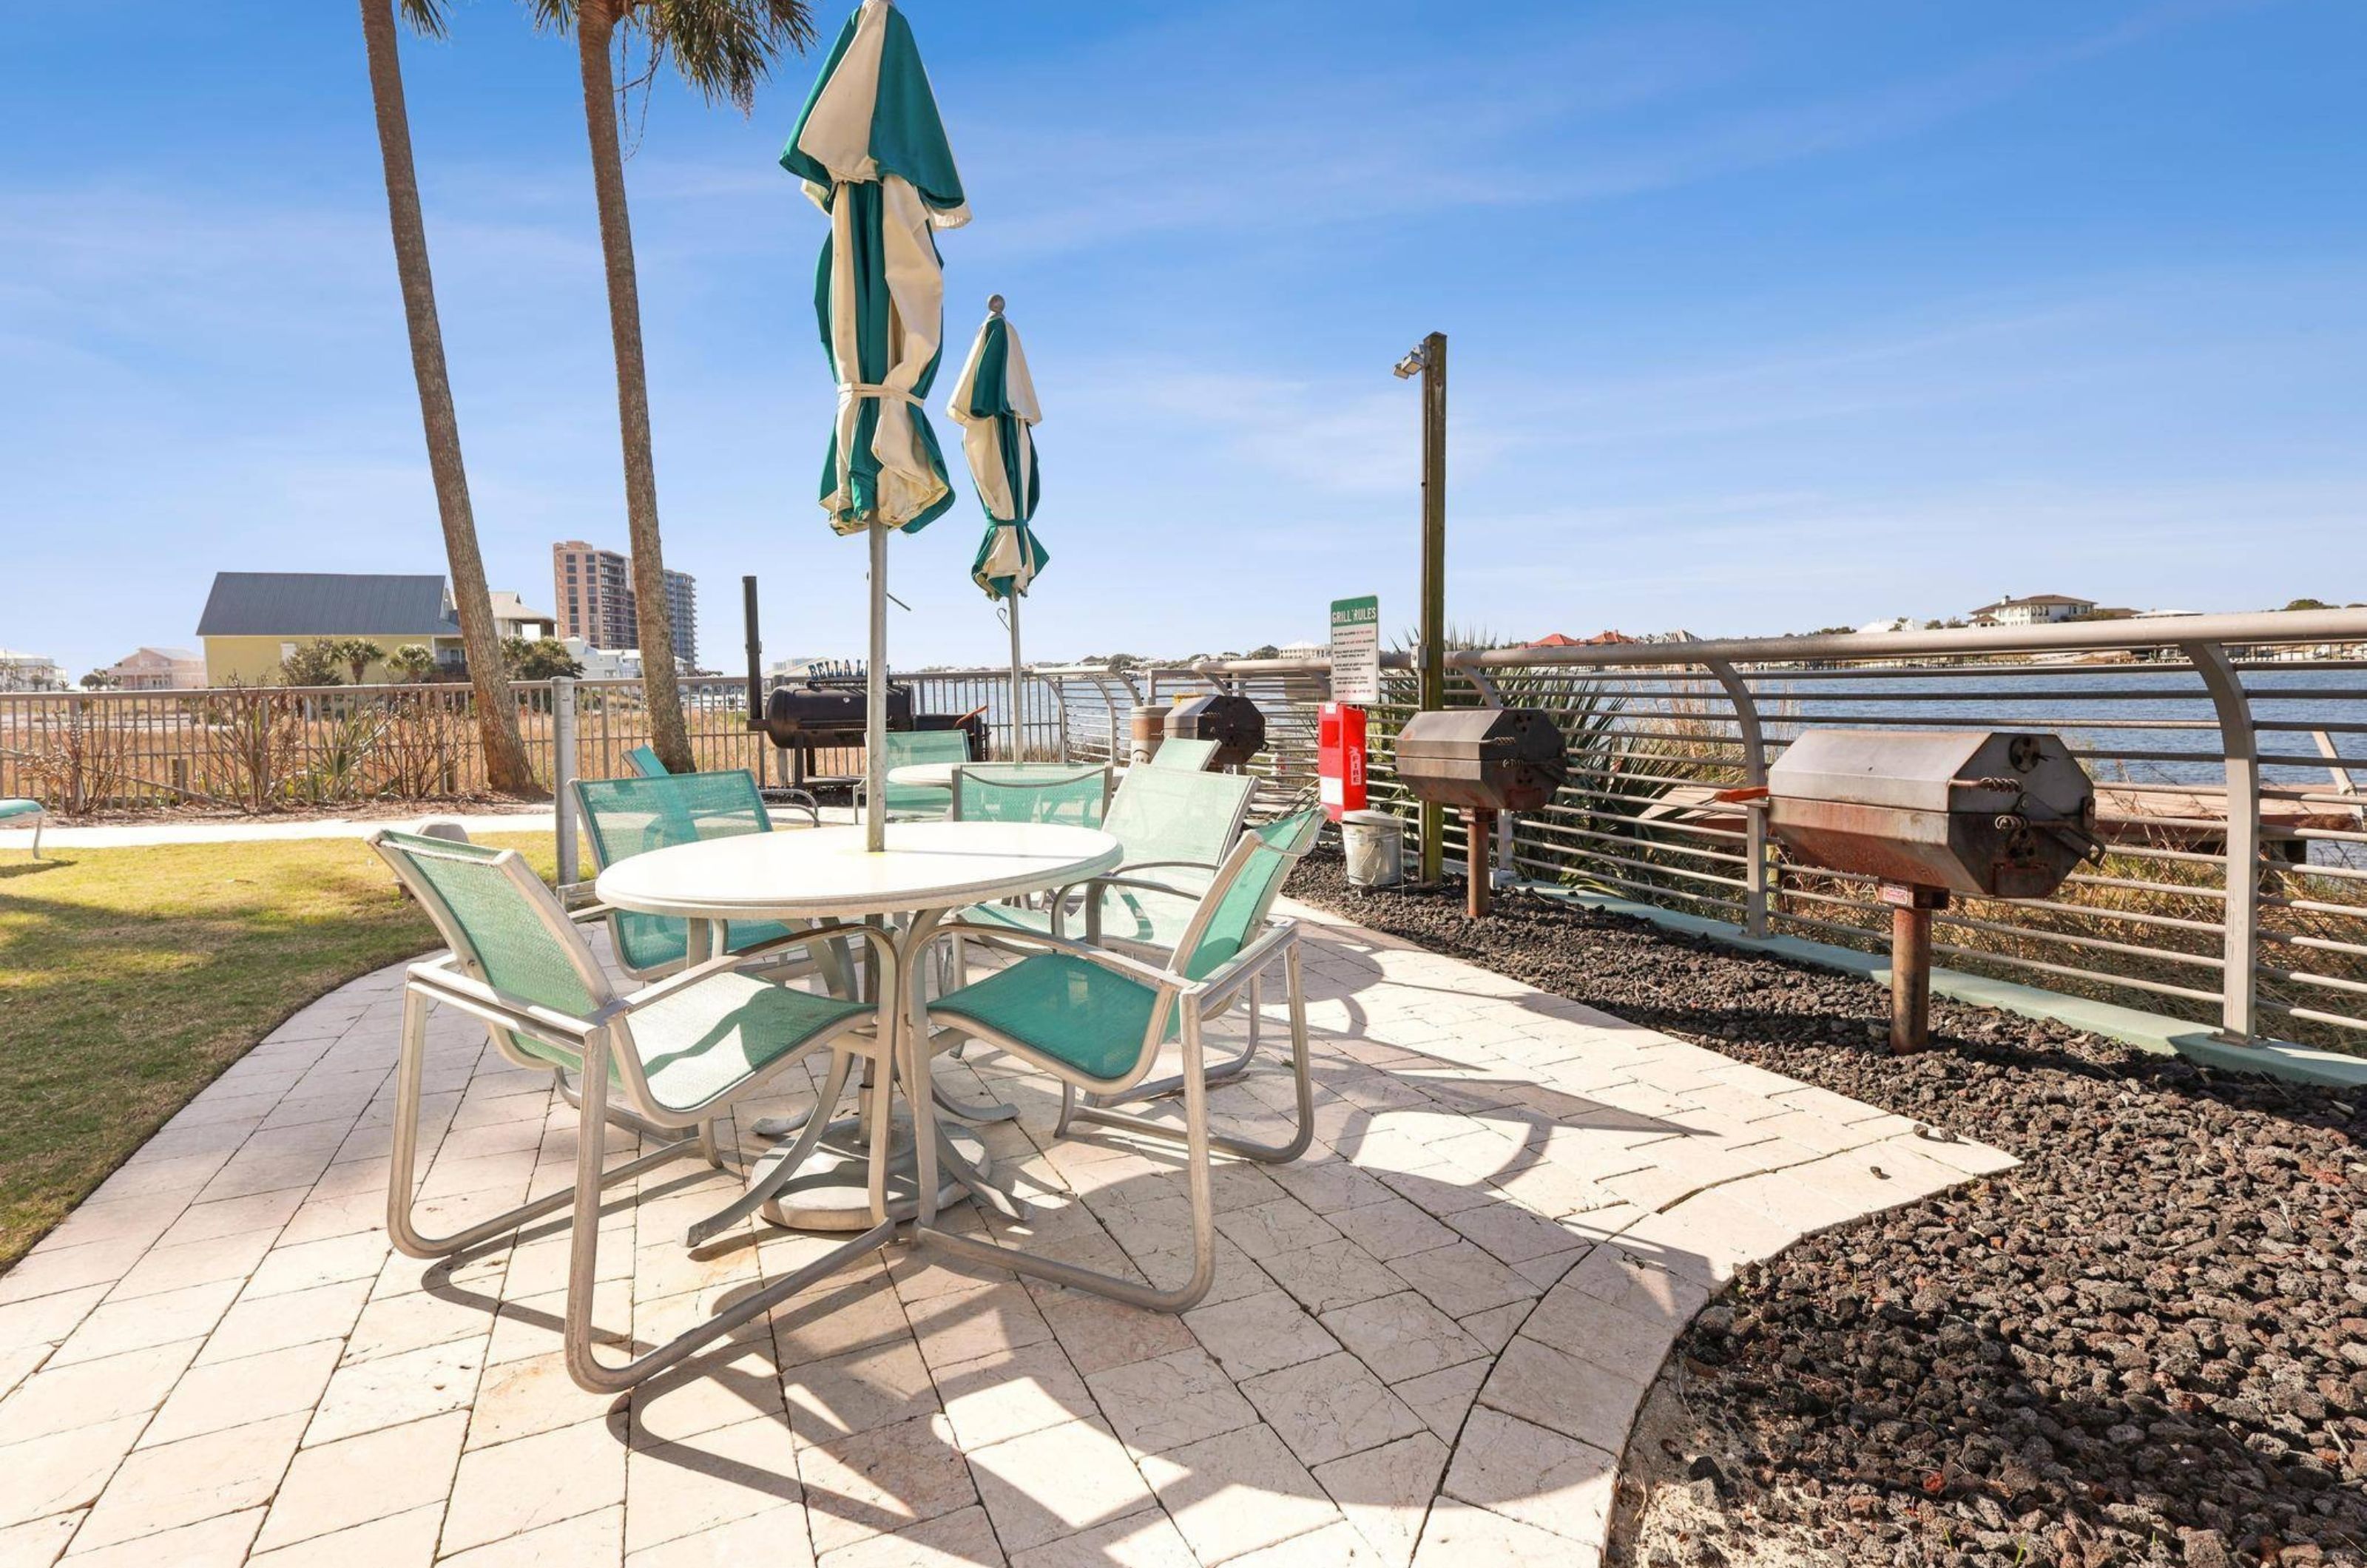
{"points": [[994, 402], [872, 151]]}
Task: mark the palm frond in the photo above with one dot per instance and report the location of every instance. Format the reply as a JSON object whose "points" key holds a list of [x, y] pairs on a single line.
{"points": [[424, 18], [723, 47]]}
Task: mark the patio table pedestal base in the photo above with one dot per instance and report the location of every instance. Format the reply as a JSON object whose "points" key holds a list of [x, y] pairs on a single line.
{"points": [[833, 1191]]}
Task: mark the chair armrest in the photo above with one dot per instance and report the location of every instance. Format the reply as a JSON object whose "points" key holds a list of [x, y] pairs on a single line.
{"points": [[1116, 963], [801, 800], [441, 977], [1237, 971], [883, 951], [1121, 878]]}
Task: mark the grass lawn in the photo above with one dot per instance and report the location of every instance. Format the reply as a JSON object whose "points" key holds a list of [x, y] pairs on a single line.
{"points": [[129, 978]]}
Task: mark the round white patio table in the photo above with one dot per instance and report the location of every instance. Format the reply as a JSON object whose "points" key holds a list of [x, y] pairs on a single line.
{"points": [[928, 870]]}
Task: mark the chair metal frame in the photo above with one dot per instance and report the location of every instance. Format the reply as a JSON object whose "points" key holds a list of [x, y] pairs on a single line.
{"points": [[1190, 1004], [606, 1061], [1007, 776]]}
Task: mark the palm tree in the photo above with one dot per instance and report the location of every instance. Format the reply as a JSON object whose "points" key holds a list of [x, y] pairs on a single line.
{"points": [[358, 653], [723, 47], [506, 769]]}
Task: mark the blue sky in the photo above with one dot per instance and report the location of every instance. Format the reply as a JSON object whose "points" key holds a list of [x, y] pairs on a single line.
{"points": [[1763, 317]]}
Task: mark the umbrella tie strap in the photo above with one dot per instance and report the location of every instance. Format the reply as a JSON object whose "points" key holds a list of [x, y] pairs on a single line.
{"points": [[869, 390]]}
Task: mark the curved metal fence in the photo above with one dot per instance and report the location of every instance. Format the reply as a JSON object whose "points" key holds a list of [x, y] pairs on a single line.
{"points": [[2230, 755]]}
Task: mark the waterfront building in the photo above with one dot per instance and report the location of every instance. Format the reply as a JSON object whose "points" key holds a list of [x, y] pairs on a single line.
{"points": [[21, 672], [158, 669], [2037, 610]]}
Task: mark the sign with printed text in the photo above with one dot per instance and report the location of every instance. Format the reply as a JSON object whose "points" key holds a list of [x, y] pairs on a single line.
{"points": [[1356, 650]]}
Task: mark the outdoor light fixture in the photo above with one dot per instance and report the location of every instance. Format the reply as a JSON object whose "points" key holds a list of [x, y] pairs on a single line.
{"points": [[1410, 365]]}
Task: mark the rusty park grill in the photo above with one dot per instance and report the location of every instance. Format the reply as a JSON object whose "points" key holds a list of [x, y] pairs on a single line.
{"points": [[1987, 814], [1483, 760]]}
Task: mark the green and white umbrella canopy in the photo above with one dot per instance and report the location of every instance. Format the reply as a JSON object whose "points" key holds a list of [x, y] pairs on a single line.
{"points": [[872, 151], [994, 402]]}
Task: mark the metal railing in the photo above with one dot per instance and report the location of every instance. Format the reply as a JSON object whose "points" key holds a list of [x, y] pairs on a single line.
{"points": [[2218, 742]]}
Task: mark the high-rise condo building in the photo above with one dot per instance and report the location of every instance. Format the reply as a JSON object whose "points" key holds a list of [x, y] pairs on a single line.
{"points": [[593, 589]]}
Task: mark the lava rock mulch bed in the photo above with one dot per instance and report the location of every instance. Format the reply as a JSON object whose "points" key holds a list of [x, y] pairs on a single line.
{"points": [[2147, 1343]]}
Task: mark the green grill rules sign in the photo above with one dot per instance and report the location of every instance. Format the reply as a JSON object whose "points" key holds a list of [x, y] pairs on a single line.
{"points": [[1356, 650]]}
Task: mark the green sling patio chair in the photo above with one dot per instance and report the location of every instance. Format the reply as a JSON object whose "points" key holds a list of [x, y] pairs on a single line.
{"points": [[1098, 1020], [645, 762], [665, 1061], [1061, 793], [1057, 794], [1184, 755], [1176, 828], [630, 817], [17, 812], [916, 803]]}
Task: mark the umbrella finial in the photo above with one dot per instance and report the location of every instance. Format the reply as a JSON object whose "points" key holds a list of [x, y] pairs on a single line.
{"points": [[994, 304]]}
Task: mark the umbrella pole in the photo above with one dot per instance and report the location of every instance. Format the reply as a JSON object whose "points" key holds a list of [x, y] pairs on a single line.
{"points": [[1018, 687], [875, 726]]}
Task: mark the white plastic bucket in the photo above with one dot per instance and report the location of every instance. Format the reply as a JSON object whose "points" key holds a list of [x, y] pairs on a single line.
{"points": [[1374, 842]]}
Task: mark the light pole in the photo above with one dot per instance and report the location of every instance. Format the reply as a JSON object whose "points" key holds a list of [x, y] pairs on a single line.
{"points": [[1429, 361]]}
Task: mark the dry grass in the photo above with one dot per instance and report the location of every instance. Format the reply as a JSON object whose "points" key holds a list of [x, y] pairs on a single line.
{"points": [[265, 748]]}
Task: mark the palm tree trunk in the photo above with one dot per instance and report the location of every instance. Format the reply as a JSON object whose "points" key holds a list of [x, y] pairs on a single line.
{"points": [[595, 24], [506, 769]]}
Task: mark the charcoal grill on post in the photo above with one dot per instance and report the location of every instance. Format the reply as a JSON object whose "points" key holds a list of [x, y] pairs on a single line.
{"points": [[1236, 724], [1484, 761], [801, 720], [1989, 814]]}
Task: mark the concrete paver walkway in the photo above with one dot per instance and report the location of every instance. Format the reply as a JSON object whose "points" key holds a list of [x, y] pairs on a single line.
{"points": [[1426, 1342]]}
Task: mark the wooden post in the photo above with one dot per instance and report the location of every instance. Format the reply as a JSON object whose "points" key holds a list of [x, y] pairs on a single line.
{"points": [[1910, 963], [1476, 890], [1433, 679]]}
